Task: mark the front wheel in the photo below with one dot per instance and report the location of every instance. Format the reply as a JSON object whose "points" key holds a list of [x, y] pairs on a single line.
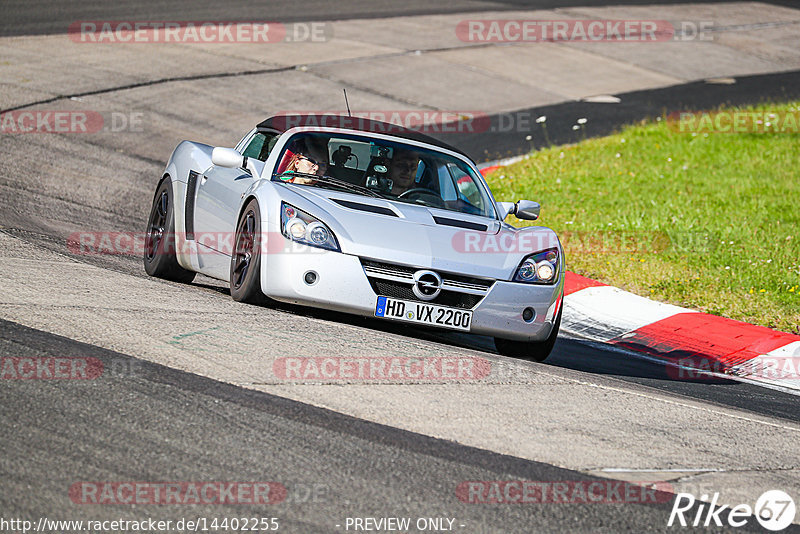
{"points": [[530, 350], [245, 273], [159, 242]]}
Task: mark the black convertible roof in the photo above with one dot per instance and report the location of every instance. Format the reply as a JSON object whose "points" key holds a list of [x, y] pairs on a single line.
{"points": [[282, 123]]}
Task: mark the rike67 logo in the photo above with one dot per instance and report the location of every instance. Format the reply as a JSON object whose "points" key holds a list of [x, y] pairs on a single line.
{"points": [[774, 510]]}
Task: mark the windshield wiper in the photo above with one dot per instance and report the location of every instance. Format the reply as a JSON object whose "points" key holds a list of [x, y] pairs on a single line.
{"points": [[333, 181]]}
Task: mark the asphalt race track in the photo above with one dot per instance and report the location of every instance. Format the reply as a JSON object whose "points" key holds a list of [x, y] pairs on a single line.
{"points": [[333, 466], [22, 17], [188, 392]]}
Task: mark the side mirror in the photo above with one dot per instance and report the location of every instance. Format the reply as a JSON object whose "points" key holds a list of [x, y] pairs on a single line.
{"points": [[523, 209], [506, 208], [231, 158], [527, 210], [227, 157]]}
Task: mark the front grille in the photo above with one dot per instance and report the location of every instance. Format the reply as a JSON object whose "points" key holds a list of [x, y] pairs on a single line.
{"points": [[392, 280], [388, 266], [404, 270], [403, 291]]}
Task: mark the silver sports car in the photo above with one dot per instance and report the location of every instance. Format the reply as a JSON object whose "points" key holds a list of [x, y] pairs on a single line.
{"points": [[361, 217]]}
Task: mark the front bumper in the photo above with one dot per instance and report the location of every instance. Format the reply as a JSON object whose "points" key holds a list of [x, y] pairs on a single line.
{"points": [[343, 285]]}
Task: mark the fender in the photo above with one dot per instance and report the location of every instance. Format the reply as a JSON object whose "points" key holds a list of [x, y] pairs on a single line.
{"points": [[187, 157], [546, 238], [257, 192]]}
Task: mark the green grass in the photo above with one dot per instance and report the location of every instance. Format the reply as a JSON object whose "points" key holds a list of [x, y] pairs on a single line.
{"points": [[710, 222]]}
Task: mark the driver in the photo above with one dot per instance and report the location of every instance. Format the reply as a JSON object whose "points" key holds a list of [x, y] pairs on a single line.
{"points": [[403, 172]]}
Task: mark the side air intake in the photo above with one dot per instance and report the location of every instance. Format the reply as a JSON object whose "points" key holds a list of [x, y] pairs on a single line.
{"points": [[365, 207], [460, 224]]}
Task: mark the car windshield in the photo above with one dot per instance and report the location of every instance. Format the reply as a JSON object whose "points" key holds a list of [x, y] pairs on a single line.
{"points": [[387, 169]]}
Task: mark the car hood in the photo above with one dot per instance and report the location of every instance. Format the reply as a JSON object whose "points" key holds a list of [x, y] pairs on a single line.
{"points": [[421, 236]]}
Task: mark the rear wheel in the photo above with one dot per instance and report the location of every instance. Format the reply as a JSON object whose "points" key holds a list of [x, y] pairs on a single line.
{"points": [[245, 273], [530, 350], [159, 243]]}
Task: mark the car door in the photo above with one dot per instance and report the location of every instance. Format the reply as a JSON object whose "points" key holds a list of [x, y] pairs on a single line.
{"points": [[219, 195]]}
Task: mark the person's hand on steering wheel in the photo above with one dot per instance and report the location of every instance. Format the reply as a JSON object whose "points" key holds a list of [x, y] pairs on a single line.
{"points": [[425, 195]]}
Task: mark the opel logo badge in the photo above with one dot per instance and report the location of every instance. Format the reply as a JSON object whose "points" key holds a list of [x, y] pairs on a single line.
{"points": [[427, 285]]}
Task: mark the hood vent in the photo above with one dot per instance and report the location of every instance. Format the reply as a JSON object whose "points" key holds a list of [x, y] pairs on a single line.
{"points": [[365, 207], [460, 224]]}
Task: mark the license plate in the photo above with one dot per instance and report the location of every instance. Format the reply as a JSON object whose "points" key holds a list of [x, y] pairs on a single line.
{"points": [[418, 312]]}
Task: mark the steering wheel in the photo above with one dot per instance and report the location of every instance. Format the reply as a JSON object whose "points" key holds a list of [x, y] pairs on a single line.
{"points": [[421, 192]]}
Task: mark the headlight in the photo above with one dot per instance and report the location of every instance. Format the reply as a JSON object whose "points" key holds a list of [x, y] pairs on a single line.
{"points": [[539, 268], [299, 226]]}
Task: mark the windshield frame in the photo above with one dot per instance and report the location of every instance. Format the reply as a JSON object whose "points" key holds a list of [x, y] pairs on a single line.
{"points": [[291, 135]]}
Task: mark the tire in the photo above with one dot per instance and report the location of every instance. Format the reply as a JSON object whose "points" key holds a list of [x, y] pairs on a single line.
{"points": [[159, 244], [530, 350], [245, 272]]}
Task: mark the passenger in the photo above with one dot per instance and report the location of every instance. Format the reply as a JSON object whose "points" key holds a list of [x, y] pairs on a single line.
{"points": [[302, 164]]}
